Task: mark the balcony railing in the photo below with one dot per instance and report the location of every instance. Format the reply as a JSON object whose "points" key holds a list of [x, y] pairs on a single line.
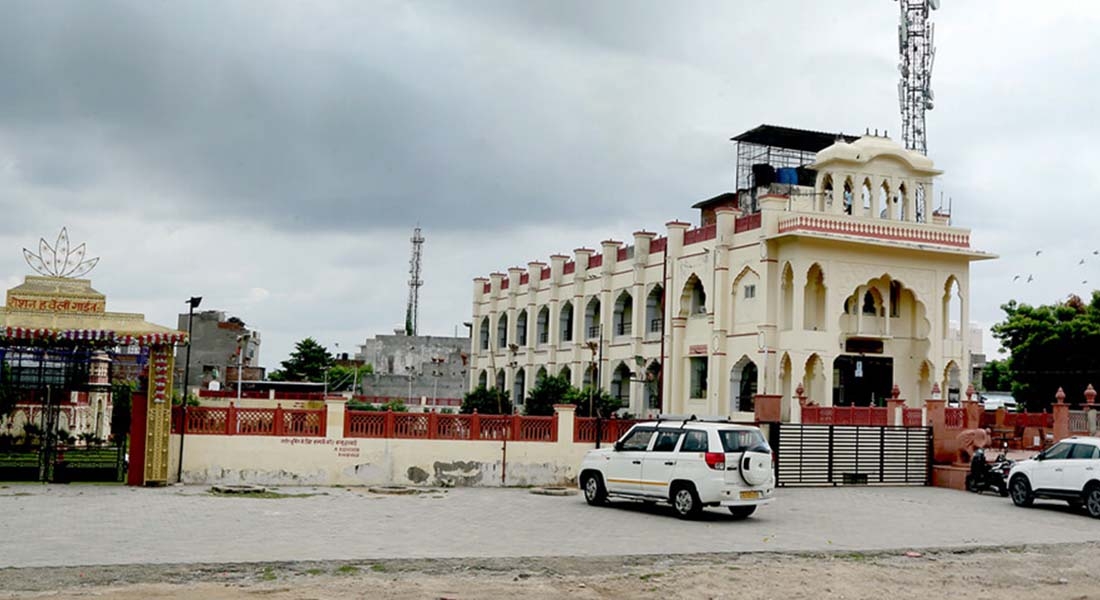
{"points": [[655, 325], [594, 332], [544, 336], [623, 328], [879, 229]]}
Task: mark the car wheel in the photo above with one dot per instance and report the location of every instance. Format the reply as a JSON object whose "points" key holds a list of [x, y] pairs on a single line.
{"points": [[1021, 491], [1092, 501], [685, 501], [594, 492], [742, 512]]}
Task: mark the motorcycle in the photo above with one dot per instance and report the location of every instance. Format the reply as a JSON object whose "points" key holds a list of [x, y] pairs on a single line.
{"points": [[988, 476]]}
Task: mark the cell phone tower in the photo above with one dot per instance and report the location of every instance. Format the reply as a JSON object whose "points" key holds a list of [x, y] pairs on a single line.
{"points": [[413, 309], [916, 35]]}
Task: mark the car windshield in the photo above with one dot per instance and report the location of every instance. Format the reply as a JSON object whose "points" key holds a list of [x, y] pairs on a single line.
{"points": [[739, 440]]}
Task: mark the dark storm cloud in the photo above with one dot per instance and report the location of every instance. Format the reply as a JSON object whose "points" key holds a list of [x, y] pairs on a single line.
{"points": [[403, 113]]}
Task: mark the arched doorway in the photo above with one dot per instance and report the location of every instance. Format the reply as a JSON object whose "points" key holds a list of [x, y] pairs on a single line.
{"points": [[743, 384]]}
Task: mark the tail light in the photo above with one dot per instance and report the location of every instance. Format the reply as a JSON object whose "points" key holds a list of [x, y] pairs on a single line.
{"points": [[715, 460]]}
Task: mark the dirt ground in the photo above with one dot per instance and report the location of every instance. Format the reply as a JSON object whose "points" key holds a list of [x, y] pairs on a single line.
{"points": [[1046, 572]]}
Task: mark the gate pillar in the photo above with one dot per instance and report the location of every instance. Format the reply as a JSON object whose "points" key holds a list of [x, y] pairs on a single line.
{"points": [[158, 417]]}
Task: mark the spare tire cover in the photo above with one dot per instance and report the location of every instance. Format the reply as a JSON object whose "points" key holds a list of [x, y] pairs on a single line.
{"points": [[755, 467]]}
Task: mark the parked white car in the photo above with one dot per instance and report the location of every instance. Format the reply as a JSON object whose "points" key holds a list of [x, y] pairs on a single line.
{"points": [[688, 463], [1068, 470]]}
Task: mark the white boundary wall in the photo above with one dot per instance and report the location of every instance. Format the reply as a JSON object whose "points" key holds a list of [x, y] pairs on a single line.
{"points": [[335, 460]]}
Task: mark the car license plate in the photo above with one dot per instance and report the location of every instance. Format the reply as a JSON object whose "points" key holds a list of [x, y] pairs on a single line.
{"points": [[753, 495]]}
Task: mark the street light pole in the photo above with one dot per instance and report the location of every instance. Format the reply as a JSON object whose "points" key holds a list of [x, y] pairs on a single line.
{"points": [[193, 302], [240, 360]]}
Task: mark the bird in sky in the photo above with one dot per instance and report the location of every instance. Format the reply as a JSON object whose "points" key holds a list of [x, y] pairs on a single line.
{"points": [[1038, 252], [1096, 252], [1082, 262], [1029, 278], [1015, 278]]}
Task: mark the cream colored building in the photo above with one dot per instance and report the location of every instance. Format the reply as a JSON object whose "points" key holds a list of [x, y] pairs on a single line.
{"points": [[846, 286]]}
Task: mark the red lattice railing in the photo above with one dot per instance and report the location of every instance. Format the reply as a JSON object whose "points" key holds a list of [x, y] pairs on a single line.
{"points": [[435, 426], [845, 415], [230, 420], [911, 417], [954, 418], [584, 431], [538, 429], [364, 423], [1078, 422]]}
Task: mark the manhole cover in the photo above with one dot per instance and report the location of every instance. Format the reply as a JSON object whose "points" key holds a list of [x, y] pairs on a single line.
{"points": [[238, 489], [393, 490], [554, 491]]}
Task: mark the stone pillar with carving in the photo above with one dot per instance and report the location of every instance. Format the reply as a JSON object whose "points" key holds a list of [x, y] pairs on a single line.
{"points": [[972, 409], [894, 407], [937, 421], [1090, 409], [1061, 416]]}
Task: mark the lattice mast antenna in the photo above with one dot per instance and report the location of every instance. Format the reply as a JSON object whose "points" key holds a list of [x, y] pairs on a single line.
{"points": [[413, 309], [916, 35]]}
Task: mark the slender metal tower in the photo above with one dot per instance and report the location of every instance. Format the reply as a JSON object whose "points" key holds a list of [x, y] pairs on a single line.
{"points": [[918, 52], [413, 308]]}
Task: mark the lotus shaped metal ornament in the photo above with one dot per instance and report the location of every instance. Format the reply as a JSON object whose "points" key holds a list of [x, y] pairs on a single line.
{"points": [[58, 260]]}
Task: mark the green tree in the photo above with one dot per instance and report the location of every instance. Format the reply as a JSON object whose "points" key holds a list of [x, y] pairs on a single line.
{"points": [[593, 402], [8, 395], [547, 392], [487, 401], [308, 362], [1051, 346], [121, 393], [996, 376]]}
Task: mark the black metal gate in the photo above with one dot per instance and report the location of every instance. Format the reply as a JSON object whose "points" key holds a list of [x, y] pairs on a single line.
{"points": [[852, 455], [41, 379]]}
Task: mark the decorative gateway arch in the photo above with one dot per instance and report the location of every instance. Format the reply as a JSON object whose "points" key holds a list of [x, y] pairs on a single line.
{"points": [[60, 351]]}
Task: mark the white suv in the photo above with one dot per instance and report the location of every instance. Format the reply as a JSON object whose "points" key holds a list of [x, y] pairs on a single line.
{"points": [[687, 463], [1068, 470]]}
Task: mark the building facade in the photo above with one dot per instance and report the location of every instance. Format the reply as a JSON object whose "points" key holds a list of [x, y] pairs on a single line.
{"points": [[216, 341], [419, 369], [828, 271]]}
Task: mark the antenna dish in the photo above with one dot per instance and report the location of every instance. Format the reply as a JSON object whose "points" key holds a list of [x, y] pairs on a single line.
{"points": [[934, 4]]}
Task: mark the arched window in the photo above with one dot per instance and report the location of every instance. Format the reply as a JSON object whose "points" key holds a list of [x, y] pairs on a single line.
{"points": [[521, 328], [519, 386], [694, 299], [542, 326], [565, 322], [592, 318], [655, 311], [483, 333], [502, 332], [813, 308], [624, 314]]}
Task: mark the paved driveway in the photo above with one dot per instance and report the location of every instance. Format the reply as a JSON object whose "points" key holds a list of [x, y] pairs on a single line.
{"points": [[88, 525]]}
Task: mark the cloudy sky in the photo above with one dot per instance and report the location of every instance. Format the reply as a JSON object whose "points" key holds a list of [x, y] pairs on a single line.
{"points": [[273, 157]]}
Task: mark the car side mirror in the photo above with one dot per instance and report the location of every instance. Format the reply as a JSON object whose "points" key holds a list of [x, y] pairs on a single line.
{"points": [[618, 446]]}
